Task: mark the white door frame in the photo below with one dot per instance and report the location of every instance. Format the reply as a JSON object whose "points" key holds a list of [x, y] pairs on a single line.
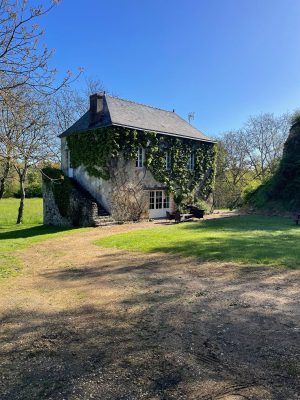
{"points": [[157, 203]]}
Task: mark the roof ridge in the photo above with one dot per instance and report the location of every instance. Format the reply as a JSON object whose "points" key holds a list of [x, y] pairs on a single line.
{"points": [[141, 104]]}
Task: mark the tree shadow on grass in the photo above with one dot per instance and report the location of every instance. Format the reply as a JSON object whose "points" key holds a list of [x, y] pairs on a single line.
{"points": [[162, 339], [267, 250], [23, 233], [243, 223]]}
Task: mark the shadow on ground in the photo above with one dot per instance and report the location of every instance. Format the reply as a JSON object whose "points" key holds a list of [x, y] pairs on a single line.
{"points": [[23, 233], [174, 330], [250, 240]]}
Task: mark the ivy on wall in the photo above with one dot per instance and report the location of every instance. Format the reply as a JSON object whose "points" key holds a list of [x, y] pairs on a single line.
{"points": [[61, 187], [96, 149]]}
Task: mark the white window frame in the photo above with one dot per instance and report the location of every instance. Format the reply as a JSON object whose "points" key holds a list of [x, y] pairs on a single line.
{"points": [[152, 200], [168, 160], [191, 162], [140, 158], [159, 200], [166, 200], [70, 170]]}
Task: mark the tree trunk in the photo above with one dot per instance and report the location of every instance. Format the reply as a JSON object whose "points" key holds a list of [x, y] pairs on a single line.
{"points": [[4, 177], [22, 199]]}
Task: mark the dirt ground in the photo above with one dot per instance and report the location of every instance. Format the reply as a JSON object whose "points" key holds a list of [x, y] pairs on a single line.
{"points": [[81, 322]]}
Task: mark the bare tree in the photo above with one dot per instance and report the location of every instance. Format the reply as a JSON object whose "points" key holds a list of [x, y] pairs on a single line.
{"points": [[232, 172], [92, 86], [23, 60], [248, 156], [263, 140], [29, 140], [129, 200], [70, 104], [8, 113]]}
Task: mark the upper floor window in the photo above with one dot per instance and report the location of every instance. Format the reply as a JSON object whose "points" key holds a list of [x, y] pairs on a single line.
{"points": [[68, 158], [168, 159], [191, 162], [140, 158]]}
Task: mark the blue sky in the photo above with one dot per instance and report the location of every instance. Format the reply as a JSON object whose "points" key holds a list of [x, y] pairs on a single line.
{"points": [[222, 59]]}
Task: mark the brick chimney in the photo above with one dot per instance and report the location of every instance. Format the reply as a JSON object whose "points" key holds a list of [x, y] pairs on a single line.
{"points": [[96, 107]]}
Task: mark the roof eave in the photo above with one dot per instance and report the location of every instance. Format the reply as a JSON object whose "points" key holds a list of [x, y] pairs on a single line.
{"points": [[64, 134], [166, 133]]}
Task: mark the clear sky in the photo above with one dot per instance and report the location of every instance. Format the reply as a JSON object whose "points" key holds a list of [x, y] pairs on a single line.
{"points": [[222, 59]]}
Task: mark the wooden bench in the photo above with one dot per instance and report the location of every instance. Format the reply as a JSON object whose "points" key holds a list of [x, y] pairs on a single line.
{"points": [[182, 217]]}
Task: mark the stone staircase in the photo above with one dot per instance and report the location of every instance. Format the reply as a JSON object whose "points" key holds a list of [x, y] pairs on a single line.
{"points": [[103, 218]]}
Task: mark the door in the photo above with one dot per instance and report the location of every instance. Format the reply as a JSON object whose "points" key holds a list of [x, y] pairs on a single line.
{"points": [[159, 203]]}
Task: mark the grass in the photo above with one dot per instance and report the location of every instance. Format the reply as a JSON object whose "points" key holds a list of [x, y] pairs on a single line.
{"points": [[251, 240], [33, 213], [16, 237]]}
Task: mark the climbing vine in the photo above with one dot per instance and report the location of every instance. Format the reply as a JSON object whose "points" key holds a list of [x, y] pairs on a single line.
{"points": [[61, 187], [96, 149]]}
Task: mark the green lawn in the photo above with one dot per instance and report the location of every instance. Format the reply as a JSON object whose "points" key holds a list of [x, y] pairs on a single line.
{"points": [[16, 237], [252, 240], [33, 213]]}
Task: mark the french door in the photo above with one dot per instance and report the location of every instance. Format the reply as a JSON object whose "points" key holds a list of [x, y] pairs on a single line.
{"points": [[159, 203]]}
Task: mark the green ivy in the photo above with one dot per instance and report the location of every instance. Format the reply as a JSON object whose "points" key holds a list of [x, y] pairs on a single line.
{"points": [[94, 150], [61, 187]]}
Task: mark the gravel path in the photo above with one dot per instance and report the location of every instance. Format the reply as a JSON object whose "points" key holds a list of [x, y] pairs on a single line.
{"points": [[82, 322]]}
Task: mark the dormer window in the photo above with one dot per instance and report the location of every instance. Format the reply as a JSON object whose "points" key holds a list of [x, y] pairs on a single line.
{"points": [[191, 162], [140, 158], [168, 159]]}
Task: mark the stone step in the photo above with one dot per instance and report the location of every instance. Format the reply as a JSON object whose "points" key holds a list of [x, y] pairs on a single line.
{"points": [[103, 213], [105, 218], [104, 222]]}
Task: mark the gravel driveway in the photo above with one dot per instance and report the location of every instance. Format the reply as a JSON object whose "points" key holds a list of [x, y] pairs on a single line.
{"points": [[82, 322]]}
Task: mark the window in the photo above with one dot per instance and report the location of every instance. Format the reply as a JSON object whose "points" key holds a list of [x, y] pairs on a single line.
{"points": [[67, 153], [168, 159], [166, 200], [191, 162], [139, 163], [68, 158], [151, 200], [158, 200]]}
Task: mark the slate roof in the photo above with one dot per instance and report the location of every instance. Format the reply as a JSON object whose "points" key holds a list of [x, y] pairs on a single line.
{"points": [[128, 114]]}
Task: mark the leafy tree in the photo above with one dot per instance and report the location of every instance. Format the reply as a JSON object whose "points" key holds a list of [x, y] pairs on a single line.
{"points": [[263, 139]]}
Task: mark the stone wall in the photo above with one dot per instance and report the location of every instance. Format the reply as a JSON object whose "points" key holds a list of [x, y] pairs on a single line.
{"points": [[82, 212]]}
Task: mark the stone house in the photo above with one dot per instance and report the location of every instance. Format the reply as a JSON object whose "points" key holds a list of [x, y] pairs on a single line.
{"points": [[108, 111]]}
